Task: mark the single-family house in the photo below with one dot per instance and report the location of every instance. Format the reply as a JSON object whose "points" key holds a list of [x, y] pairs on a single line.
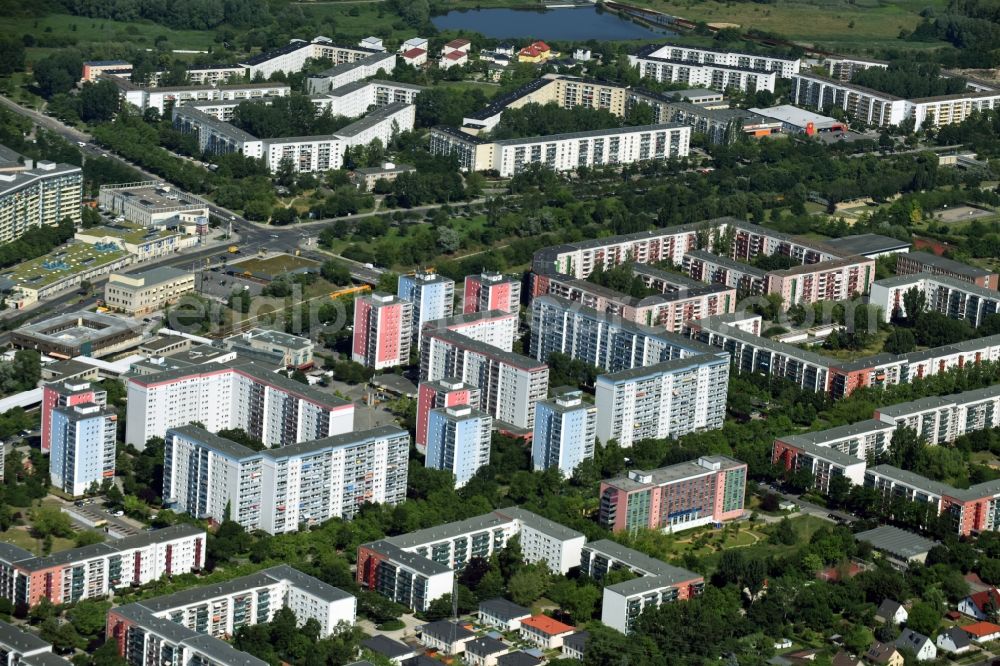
{"points": [[536, 52], [981, 605], [502, 614], [456, 45], [454, 59], [982, 632], [843, 658], [394, 651], [519, 658], [415, 57], [445, 636], [884, 654], [954, 640], [484, 651], [545, 632], [890, 611], [921, 645], [575, 645]]}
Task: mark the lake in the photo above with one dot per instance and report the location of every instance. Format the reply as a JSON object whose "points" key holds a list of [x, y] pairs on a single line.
{"points": [[571, 24]]}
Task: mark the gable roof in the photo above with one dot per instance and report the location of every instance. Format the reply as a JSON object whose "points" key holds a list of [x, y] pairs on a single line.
{"points": [[547, 625], [880, 652], [911, 639], [980, 629], [446, 630], [503, 609], [980, 599], [387, 647], [888, 609], [958, 637], [844, 659]]}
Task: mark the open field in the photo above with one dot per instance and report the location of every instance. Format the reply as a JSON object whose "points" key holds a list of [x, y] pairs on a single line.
{"points": [[836, 24], [59, 30]]}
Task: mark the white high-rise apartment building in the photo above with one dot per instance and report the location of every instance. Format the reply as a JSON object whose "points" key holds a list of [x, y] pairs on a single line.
{"points": [[267, 405], [565, 432], [664, 400], [432, 295], [82, 450], [458, 441], [277, 490]]}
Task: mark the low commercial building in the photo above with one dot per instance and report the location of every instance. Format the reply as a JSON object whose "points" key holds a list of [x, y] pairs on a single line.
{"points": [[799, 121], [933, 264], [144, 243], [872, 246], [899, 547], [954, 298], [278, 490], [691, 494], [668, 399], [366, 178], [415, 569], [657, 582], [150, 203], [563, 152], [267, 405], [293, 351], [43, 196], [79, 334], [93, 572], [67, 267], [147, 291]]}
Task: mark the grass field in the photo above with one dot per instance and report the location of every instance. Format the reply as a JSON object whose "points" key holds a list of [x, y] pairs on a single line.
{"points": [[60, 30], [20, 537], [837, 24]]}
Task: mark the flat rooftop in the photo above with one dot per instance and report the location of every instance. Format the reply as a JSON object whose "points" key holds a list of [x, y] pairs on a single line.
{"points": [[134, 234], [63, 262], [793, 115], [896, 542], [277, 338], [945, 264], [867, 244], [14, 181], [157, 197]]}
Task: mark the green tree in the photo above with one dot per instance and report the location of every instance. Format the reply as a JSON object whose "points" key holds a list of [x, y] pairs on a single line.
{"points": [[50, 521], [58, 72], [529, 583], [923, 618], [99, 102], [900, 341]]}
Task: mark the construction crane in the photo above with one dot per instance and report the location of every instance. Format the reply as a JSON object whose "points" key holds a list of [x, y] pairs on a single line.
{"points": [[347, 291]]}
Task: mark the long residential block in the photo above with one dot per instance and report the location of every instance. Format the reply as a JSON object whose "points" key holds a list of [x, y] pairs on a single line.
{"points": [[701, 68], [656, 583], [610, 343], [679, 497], [92, 572], [909, 263], [188, 628], [415, 569], [954, 298], [278, 490], [668, 399], [37, 197], [268, 406], [563, 152]]}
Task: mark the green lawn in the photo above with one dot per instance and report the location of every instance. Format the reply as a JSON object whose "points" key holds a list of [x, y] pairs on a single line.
{"points": [[19, 536], [58, 30], [859, 24]]}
